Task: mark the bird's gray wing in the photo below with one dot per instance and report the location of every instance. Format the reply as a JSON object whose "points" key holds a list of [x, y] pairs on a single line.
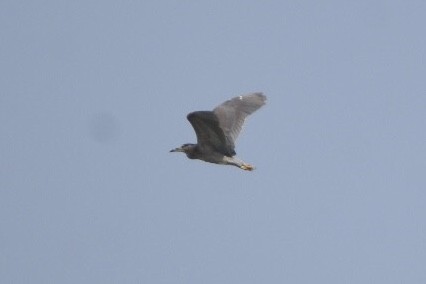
{"points": [[232, 113], [208, 131]]}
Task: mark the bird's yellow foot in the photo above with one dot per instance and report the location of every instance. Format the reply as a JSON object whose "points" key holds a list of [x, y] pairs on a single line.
{"points": [[246, 167]]}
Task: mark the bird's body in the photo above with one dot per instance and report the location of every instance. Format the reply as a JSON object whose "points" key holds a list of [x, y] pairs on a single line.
{"points": [[217, 130]]}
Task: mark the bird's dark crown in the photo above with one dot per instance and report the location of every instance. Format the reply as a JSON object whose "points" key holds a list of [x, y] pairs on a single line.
{"points": [[187, 145], [186, 148]]}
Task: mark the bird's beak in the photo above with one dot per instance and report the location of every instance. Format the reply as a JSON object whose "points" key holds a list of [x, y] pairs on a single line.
{"points": [[176, 150]]}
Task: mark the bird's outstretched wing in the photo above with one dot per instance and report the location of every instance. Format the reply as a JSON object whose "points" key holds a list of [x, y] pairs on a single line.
{"points": [[208, 131], [232, 113]]}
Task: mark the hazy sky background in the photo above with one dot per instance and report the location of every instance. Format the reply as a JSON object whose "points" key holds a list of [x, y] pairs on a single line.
{"points": [[93, 95]]}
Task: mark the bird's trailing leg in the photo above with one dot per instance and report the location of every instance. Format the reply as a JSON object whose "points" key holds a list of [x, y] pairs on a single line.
{"points": [[236, 162], [246, 167]]}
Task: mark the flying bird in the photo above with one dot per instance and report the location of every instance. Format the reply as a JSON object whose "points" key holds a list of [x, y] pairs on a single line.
{"points": [[217, 130]]}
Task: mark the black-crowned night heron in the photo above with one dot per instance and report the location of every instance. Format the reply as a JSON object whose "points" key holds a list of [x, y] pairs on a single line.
{"points": [[217, 130]]}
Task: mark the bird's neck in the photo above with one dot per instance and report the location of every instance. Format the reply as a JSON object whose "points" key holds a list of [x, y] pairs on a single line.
{"points": [[193, 152]]}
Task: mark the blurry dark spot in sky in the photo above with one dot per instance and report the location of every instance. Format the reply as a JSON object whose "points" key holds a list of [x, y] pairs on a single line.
{"points": [[104, 127]]}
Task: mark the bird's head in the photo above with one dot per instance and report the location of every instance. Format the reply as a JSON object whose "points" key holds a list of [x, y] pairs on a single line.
{"points": [[185, 148]]}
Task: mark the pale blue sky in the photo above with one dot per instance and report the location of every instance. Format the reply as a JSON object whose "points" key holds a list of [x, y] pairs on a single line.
{"points": [[93, 95]]}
